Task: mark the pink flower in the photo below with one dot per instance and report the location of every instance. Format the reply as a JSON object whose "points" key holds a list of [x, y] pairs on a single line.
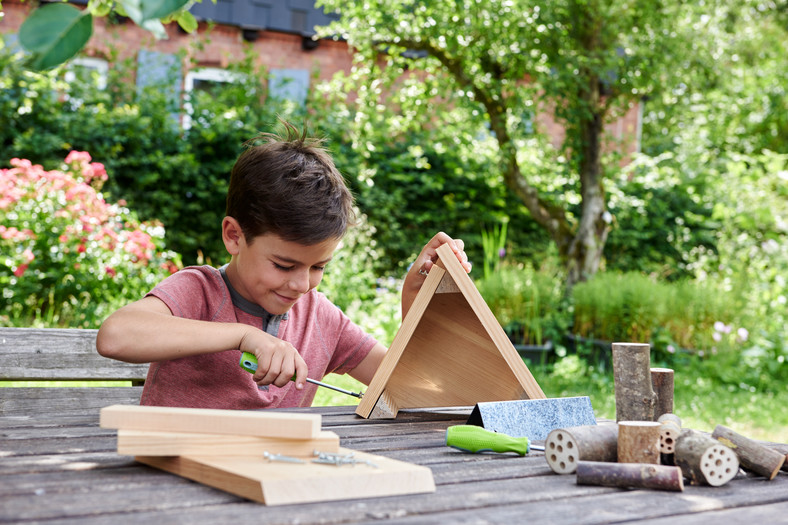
{"points": [[20, 270], [111, 271], [77, 156]]}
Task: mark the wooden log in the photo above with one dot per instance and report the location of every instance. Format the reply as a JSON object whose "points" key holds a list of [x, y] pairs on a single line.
{"points": [[669, 430], [754, 457], [565, 447], [635, 398], [782, 449], [638, 442], [662, 384], [703, 460], [630, 475]]}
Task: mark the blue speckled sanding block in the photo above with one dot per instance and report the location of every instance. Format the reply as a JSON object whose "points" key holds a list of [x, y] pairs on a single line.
{"points": [[533, 418]]}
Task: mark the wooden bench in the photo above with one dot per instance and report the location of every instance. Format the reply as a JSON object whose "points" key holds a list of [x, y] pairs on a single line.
{"points": [[67, 354]]}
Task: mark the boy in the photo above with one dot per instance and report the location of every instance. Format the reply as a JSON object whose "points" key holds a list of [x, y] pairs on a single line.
{"points": [[287, 210]]}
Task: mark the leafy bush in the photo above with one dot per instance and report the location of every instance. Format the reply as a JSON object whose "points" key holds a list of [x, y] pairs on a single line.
{"points": [[634, 307], [70, 257]]}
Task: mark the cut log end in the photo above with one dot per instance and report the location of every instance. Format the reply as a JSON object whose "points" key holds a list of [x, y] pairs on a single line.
{"points": [[719, 465], [667, 440], [561, 452]]}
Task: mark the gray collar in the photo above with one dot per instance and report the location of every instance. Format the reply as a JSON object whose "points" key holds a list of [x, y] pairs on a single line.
{"points": [[270, 322]]}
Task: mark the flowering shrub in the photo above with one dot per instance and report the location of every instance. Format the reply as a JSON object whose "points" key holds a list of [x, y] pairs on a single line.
{"points": [[68, 257]]}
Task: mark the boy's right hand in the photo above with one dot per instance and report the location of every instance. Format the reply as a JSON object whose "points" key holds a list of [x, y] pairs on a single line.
{"points": [[277, 360]]}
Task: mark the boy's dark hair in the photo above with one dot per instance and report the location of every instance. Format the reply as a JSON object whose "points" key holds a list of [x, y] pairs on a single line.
{"points": [[288, 185]]}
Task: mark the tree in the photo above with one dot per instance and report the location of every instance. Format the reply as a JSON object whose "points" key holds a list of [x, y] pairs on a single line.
{"points": [[466, 65]]}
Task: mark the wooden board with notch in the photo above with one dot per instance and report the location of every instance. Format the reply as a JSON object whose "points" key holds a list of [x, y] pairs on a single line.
{"points": [[284, 483]]}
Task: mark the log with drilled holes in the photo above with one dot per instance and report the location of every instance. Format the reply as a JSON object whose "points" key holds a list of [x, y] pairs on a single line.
{"points": [[754, 457], [703, 460], [669, 430], [638, 442], [635, 397], [565, 447], [630, 475]]}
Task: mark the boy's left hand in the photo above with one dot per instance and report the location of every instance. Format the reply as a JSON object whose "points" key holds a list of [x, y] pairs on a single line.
{"points": [[424, 262]]}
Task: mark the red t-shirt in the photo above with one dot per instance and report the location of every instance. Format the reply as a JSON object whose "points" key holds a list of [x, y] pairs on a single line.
{"points": [[324, 336]]}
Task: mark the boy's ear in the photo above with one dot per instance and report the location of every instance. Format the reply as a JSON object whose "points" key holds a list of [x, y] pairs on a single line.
{"points": [[232, 235]]}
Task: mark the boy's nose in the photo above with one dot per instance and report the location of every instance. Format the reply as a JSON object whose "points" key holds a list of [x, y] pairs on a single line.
{"points": [[300, 282]]}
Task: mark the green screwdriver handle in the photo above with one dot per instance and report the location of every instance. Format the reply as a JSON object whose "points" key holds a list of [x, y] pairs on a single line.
{"points": [[249, 363], [471, 438]]}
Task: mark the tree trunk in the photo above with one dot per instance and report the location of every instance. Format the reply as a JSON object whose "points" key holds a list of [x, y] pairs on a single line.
{"points": [[584, 252]]}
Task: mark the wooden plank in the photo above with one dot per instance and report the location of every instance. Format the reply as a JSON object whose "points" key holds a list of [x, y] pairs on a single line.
{"points": [[212, 421], [449, 351], [65, 400], [280, 483], [59, 354], [146, 443]]}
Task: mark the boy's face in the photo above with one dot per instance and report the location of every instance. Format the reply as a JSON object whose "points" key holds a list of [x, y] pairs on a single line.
{"points": [[275, 273]]}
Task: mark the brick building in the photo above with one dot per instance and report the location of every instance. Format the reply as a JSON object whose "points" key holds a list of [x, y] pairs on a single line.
{"points": [[278, 31], [280, 35]]}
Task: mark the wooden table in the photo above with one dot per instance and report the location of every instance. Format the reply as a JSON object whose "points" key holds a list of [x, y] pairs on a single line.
{"points": [[58, 466]]}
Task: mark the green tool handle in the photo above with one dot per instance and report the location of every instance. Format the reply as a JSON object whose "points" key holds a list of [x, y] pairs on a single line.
{"points": [[249, 363], [471, 438]]}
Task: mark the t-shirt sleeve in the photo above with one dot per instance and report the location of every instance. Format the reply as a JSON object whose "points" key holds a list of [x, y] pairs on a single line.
{"points": [[193, 293]]}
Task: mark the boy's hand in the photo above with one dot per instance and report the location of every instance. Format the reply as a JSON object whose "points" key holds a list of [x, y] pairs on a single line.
{"points": [[277, 360], [426, 259]]}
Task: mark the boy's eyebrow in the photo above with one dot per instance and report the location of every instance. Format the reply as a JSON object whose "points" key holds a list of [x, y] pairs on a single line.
{"points": [[296, 261]]}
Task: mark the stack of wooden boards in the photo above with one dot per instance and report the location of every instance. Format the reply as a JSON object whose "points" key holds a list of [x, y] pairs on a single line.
{"points": [[265, 456]]}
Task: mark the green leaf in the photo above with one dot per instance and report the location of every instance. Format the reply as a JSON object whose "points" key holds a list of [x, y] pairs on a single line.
{"points": [[54, 33], [134, 8], [187, 21], [156, 9]]}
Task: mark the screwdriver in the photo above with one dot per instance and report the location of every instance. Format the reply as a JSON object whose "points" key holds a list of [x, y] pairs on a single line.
{"points": [[472, 438], [249, 363]]}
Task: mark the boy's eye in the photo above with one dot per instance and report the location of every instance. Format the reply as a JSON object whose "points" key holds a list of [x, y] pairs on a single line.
{"points": [[282, 268]]}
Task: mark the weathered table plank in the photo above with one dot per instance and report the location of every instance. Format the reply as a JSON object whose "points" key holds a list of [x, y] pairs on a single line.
{"points": [[59, 354]]}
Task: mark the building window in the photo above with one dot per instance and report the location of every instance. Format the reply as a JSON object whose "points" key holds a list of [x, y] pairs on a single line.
{"points": [[89, 70], [205, 81]]}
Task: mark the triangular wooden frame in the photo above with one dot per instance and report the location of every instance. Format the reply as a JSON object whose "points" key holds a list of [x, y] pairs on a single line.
{"points": [[449, 351]]}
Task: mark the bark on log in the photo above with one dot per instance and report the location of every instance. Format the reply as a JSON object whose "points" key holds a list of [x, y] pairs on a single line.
{"points": [[782, 449], [662, 384], [638, 442], [669, 430], [754, 457], [630, 475], [703, 460], [565, 447], [635, 398]]}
